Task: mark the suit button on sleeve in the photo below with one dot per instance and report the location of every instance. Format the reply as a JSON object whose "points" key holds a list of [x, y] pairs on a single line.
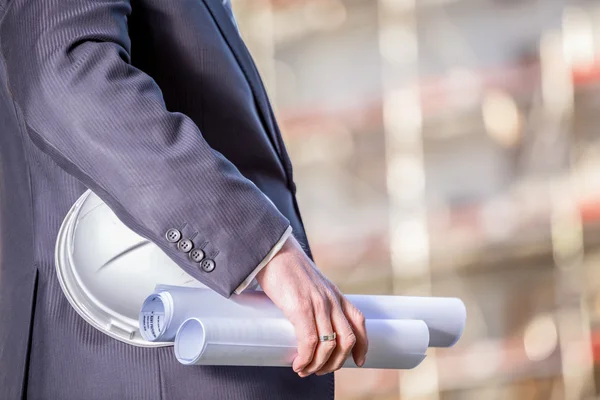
{"points": [[207, 265], [196, 255], [185, 245], [173, 235]]}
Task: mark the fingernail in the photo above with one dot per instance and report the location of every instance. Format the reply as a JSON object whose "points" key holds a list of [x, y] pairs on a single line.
{"points": [[361, 362]]}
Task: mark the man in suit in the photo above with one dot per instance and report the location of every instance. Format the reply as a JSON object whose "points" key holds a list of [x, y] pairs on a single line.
{"points": [[157, 107]]}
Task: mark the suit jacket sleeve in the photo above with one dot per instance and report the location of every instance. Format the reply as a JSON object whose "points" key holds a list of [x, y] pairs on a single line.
{"points": [[105, 122]]}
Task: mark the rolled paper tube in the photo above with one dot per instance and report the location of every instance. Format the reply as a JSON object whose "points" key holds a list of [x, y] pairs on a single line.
{"points": [[164, 311], [271, 342]]}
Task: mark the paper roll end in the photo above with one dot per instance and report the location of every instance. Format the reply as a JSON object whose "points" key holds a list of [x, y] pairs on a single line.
{"points": [[462, 312], [154, 317], [190, 342]]}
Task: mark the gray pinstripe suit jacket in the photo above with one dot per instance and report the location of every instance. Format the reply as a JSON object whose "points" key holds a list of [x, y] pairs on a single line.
{"points": [[157, 107]]}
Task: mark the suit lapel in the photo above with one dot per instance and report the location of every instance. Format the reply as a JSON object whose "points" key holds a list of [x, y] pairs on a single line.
{"points": [[242, 55]]}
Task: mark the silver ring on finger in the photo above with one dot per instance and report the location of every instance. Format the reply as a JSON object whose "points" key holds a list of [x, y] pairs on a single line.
{"points": [[327, 338]]}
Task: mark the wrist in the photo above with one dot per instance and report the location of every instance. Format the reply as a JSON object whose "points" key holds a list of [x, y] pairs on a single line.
{"points": [[283, 256]]}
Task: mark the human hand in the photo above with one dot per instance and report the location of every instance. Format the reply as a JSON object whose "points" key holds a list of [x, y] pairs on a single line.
{"points": [[315, 307]]}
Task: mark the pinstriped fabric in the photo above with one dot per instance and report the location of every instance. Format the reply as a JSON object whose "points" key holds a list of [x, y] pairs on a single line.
{"points": [[148, 106]]}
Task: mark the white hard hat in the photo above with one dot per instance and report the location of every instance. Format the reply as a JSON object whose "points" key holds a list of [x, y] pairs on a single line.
{"points": [[107, 271]]}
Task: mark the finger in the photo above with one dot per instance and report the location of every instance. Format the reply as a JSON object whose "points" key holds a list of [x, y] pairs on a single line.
{"points": [[357, 320], [307, 339], [345, 341], [322, 310]]}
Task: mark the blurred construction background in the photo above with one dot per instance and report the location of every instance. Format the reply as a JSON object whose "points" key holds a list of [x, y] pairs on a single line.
{"points": [[451, 148]]}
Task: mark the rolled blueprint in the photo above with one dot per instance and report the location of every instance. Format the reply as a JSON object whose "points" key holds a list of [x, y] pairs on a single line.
{"points": [[164, 311], [271, 342]]}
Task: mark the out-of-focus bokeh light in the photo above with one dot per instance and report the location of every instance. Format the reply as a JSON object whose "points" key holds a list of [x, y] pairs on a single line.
{"points": [[406, 177], [501, 117], [541, 337], [578, 38], [556, 76], [402, 113], [398, 44], [410, 247]]}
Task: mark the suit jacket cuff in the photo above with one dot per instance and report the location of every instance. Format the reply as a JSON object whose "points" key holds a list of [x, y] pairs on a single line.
{"points": [[250, 281]]}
